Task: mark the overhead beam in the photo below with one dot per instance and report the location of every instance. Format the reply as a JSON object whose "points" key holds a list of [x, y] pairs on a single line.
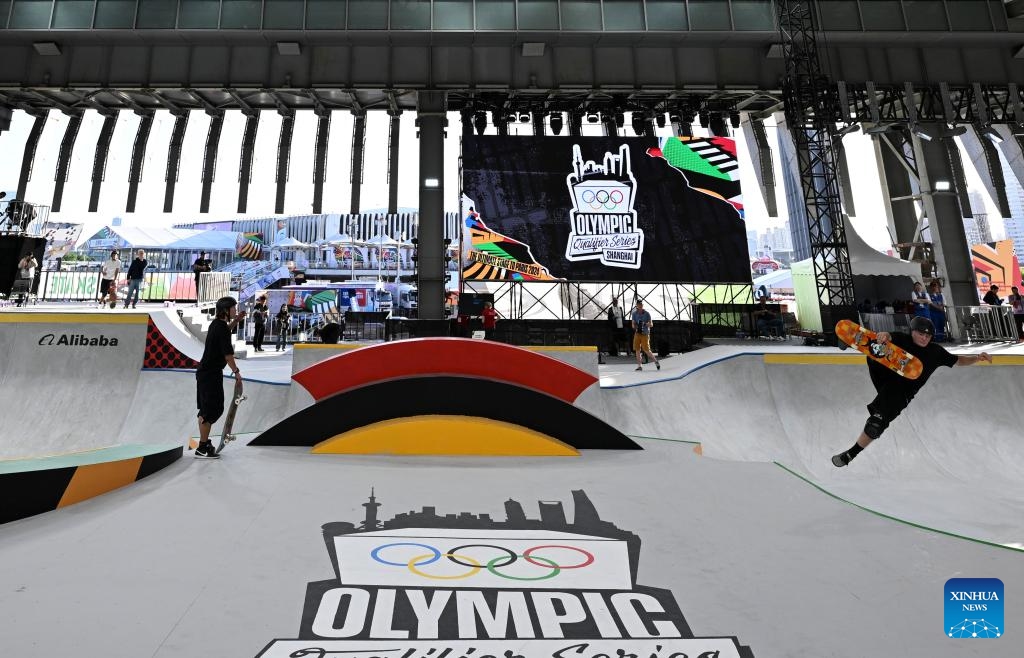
{"points": [[252, 122], [394, 126], [138, 158], [67, 146], [174, 159], [99, 161], [358, 144], [29, 156], [284, 149], [323, 131], [210, 160]]}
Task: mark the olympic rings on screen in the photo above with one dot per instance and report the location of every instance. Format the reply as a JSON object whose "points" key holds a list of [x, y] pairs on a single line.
{"points": [[587, 196], [457, 556], [615, 197]]}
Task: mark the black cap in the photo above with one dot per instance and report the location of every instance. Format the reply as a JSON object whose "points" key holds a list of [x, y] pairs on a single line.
{"points": [[922, 324]]}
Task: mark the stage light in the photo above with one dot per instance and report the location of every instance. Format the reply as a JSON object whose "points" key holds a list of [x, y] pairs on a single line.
{"points": [[921, 134], [704, 118], [556, 123], [480, 122], [524, 117], [593, 118], [991, 135], [639, 127], [734, 120], [620, 119], [659, 118], [942, 186], [953, 130], [848, 130]]}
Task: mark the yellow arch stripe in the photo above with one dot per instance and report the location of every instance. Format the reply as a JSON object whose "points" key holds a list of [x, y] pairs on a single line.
{"points": [[445, 435], [856, 358]]}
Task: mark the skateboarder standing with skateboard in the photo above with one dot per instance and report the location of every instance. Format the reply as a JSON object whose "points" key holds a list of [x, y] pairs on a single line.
{"points": [[896, 392], [209, 375]]}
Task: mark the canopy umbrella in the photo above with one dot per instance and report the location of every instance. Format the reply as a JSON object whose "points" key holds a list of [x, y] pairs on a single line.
{"points": [[382, 241], [290, 243], [341, 238]]}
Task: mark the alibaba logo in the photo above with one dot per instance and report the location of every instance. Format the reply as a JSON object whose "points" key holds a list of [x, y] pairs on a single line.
{"points": [[449, 396], [47, 339]]}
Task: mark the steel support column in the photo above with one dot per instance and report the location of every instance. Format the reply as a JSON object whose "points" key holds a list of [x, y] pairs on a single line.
{"points": [[323, 131], [67, 145], [138, 158], [99, 161], [986, 161], [174, 159], [895, 175], [284, 152], [210, 159], [394, 127], [942, 209], [252, 122], [358, 144], [29, 156], [431, 122]]}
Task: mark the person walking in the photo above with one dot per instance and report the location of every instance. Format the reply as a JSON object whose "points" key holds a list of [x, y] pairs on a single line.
{"points": [[282, 323], [937, 308], [108, 280], [259, 320], [642, 324], [894, 392], [135, 273], [219, 352]]}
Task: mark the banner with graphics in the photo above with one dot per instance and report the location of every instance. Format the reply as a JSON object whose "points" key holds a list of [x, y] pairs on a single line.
{"points": [[426, 584], [995, 263], [60, 238], [666, 209]]}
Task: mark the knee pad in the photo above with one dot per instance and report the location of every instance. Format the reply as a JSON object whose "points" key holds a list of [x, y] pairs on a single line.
{"points": [[875, 426]]}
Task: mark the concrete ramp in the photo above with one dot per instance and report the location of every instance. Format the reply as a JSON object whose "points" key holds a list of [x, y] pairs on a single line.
{"points": [[68, 380], [950, 462]]}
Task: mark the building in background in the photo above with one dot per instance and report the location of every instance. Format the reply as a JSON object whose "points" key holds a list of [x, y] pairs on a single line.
{"points": [[1015, 222]]}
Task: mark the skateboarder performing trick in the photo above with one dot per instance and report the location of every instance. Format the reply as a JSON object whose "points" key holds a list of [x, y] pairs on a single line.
{"points": [[896, 392], [209, 375]]}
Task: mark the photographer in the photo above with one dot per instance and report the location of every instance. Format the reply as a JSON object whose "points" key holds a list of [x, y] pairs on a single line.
{"points": [[201, 264], [27, 273]]}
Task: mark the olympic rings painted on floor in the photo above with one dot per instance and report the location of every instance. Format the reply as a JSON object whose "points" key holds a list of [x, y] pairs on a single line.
{"points": [[475, 566]]}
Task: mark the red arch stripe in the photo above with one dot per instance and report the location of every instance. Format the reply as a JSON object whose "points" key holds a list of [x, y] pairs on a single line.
{"points": [[444, 356]]}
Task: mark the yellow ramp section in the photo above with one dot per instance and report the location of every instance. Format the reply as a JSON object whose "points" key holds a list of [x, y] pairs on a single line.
{"points": [[851, 359], [445, 435], [95, 479]]}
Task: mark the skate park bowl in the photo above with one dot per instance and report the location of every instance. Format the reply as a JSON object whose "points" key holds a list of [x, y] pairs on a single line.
{"points": [[739, 538]]}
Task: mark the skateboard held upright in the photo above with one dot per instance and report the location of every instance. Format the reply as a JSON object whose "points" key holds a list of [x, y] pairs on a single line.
{"points": [[891, 356], [237, 397]]}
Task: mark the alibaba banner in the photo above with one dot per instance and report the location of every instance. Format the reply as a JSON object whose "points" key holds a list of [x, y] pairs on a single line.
{"points": [[602, 209]]}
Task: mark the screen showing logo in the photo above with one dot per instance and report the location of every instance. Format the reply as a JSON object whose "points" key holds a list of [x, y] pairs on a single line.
{"points": [[974, 608]]}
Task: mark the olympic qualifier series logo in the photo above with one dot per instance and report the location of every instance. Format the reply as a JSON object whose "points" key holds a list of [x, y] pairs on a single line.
{"points": [[602, 221], [423, 585]]}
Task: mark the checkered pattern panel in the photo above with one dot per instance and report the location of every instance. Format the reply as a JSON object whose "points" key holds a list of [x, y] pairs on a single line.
{"points": [[161, 354]]}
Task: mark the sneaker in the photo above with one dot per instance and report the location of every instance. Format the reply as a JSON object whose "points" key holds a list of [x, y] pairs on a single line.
{"points": [[639, 368], [657, 364], [840, 460], [206, 451]]}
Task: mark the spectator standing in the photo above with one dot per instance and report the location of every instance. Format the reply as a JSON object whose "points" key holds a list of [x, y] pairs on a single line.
{"points": [[135, 273], [992, 296], [283, 322], [642, 323], [937, 308], [27, 272], [219, 352], [259, 321], [1018, 312], [617, 326], [490, 318], [919, 298], [201, 264], [108, 280]]}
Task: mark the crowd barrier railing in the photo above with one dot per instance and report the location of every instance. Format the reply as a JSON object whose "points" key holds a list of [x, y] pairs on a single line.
{"points": [[82, 285]]}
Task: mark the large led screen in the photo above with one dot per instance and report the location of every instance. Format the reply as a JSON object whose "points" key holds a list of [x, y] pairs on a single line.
{"points": [[651, 209]]}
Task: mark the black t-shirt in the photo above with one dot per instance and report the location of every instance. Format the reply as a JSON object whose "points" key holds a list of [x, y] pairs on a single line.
{"points": [[201, 265], [218, 346], [932, 357], [137, 269], [259, 314]]}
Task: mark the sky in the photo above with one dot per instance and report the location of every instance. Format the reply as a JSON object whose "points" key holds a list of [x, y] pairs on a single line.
{"points": [[870, 222]]}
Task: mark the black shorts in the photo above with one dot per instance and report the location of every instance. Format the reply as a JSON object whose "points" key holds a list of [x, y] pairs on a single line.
{"points": [[210, 395], [105, 286]]}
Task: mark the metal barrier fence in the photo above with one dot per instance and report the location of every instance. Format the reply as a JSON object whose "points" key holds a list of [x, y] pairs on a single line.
{"points": [[21, 218], [974, 323], [307, 328], [78, 285]]}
